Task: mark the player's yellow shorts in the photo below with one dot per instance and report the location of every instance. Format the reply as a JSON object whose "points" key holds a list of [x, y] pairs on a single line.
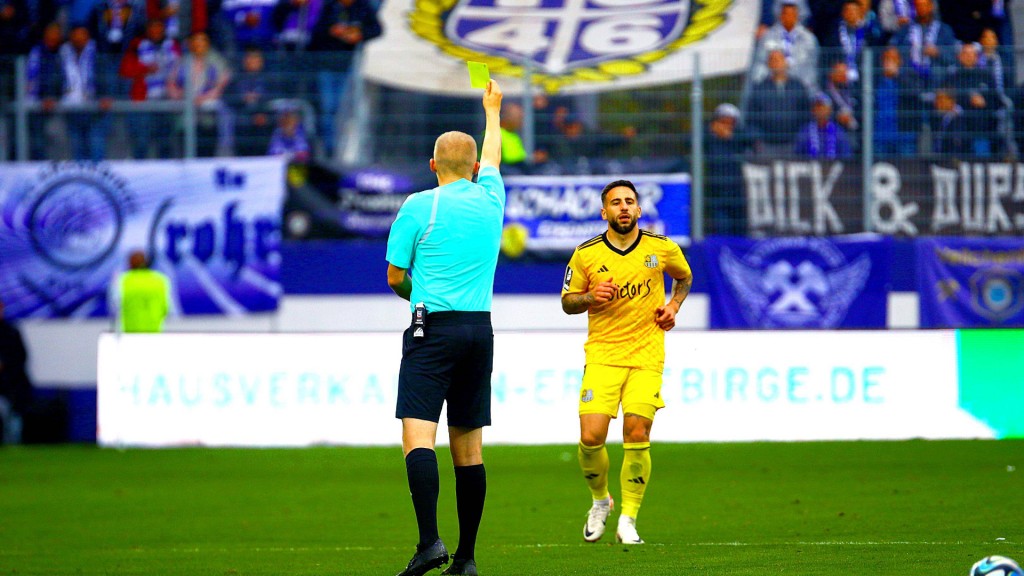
{"points": [[605, 387]]}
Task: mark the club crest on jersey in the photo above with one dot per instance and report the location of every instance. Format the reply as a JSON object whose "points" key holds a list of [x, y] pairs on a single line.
{"points": [[586, 396], [566, 41], [651, 260]]}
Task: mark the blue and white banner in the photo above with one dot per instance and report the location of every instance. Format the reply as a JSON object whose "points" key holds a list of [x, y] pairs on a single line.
{"points": [[967, 282], [213, 226], [800, 282], [545, 214], [559, 45]]}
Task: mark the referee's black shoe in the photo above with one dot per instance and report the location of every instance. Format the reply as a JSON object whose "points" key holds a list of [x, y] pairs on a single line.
{"points": [[426, 559], [460, 567]]}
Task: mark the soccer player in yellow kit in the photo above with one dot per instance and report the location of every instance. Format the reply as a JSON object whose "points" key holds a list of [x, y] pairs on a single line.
{"points": [[618, 278]]}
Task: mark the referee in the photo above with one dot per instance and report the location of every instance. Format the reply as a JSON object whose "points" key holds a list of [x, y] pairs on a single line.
{"points": [[442, 252]]}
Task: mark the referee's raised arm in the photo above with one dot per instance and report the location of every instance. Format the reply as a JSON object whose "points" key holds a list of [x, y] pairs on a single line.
{"points": [[490, 153]]}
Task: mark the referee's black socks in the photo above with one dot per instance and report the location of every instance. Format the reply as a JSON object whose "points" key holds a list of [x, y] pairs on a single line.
{"points": [[421, 468], [470, 490]]}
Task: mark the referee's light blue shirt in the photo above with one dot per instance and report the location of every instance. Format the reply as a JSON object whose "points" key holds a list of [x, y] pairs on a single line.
{"points": [[452, 259]]}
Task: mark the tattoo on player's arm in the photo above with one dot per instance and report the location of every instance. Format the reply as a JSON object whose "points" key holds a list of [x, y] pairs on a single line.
{"points": [[681, 289], [576, 303]]}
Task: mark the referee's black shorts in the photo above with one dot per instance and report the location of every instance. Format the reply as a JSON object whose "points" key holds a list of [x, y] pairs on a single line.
{"points": [[451, 363]]}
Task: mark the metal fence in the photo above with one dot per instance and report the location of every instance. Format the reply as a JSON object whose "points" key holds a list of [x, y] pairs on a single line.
{"points": [[870, 144]]}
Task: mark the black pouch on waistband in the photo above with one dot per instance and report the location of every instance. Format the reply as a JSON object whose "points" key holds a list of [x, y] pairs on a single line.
{"points": [[419, 321]]}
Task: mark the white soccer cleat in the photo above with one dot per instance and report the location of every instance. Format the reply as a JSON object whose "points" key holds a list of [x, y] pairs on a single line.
{"points": [[626, 532], [596, 519]]}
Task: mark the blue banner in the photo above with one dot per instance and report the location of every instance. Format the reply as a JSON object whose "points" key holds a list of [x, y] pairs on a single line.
{"points": [[800, 282], [545, 214], [971, 282], [213, 226]]}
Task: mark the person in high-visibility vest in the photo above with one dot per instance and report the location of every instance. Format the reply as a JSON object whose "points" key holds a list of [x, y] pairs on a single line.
{"points": [[142, 296]]}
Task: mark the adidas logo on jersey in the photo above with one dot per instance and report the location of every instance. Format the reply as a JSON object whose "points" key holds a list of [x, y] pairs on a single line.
{"points": [[603, 268]]}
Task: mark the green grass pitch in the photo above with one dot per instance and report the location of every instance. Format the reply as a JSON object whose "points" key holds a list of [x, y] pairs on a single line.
{"points": [[852, 508]]}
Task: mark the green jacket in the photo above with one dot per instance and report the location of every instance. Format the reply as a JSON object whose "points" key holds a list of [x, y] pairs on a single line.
{"points": [[512, 149], [144, 299]]}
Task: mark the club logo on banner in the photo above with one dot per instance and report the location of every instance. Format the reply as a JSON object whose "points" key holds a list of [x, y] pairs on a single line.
{"points": [[582, 45], [969, 282], [212, 226], [798, 283]]}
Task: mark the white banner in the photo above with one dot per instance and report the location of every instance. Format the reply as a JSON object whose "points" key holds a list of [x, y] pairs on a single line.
{"points": [[568, 46], [304, 389]]}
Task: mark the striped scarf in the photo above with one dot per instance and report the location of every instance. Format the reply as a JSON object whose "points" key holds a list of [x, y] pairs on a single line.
{"points": [[79, 68], [165, 57]]}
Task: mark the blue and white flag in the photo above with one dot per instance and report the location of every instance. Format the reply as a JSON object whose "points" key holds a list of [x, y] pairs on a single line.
{"points": [[799, 282], [968, 282], [568, 46], [212, 226]]}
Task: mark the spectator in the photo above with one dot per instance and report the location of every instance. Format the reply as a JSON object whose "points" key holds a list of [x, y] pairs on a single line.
{"points": [[796, 42], [947, 125], [289, 138], [853, 34], [141, 297], [251, 24], [343, 27], [770, 13], [88, 119], [167, 11], [250, 98], [991, 61], [897, 108], [209, 76], [823, 138], [548, 116], [149, 63], [905, 12], [15, 386], [513, 153], [845, 96], [777, 107], [45, 86], [113, 24], [978, 99], [1001, 23], [725, 145], [294, 21], [927, 45], [578, 144]]}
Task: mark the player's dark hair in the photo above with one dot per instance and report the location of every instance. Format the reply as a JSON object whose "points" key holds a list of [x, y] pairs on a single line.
{"points": [[616, 184]]}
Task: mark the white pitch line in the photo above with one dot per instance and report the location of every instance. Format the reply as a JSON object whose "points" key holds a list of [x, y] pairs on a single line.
{"points": [[867, 543]]}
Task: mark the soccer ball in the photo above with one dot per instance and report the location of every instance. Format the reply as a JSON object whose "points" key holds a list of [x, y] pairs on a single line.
{"points": [[996, 566]]}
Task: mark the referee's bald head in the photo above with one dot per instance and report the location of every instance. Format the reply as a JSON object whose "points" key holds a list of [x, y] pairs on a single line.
{"points": [[455, 154]]}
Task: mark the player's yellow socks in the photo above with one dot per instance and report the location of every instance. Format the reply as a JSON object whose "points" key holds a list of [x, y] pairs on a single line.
{"points": [[594, 463], [636, 473]]}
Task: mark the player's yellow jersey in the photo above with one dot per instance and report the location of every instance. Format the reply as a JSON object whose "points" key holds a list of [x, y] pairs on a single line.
{"points": [[622, 332]]}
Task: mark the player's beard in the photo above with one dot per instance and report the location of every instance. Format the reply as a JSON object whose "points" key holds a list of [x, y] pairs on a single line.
{"points": [[624, 228]]}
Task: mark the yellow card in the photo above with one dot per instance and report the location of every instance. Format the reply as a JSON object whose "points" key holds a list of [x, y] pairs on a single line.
{"points": [[479, 75]]}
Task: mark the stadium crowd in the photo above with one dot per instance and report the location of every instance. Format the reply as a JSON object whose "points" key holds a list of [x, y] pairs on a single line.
{"points": [[85, 55], [272, 76], [943, 78]]}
